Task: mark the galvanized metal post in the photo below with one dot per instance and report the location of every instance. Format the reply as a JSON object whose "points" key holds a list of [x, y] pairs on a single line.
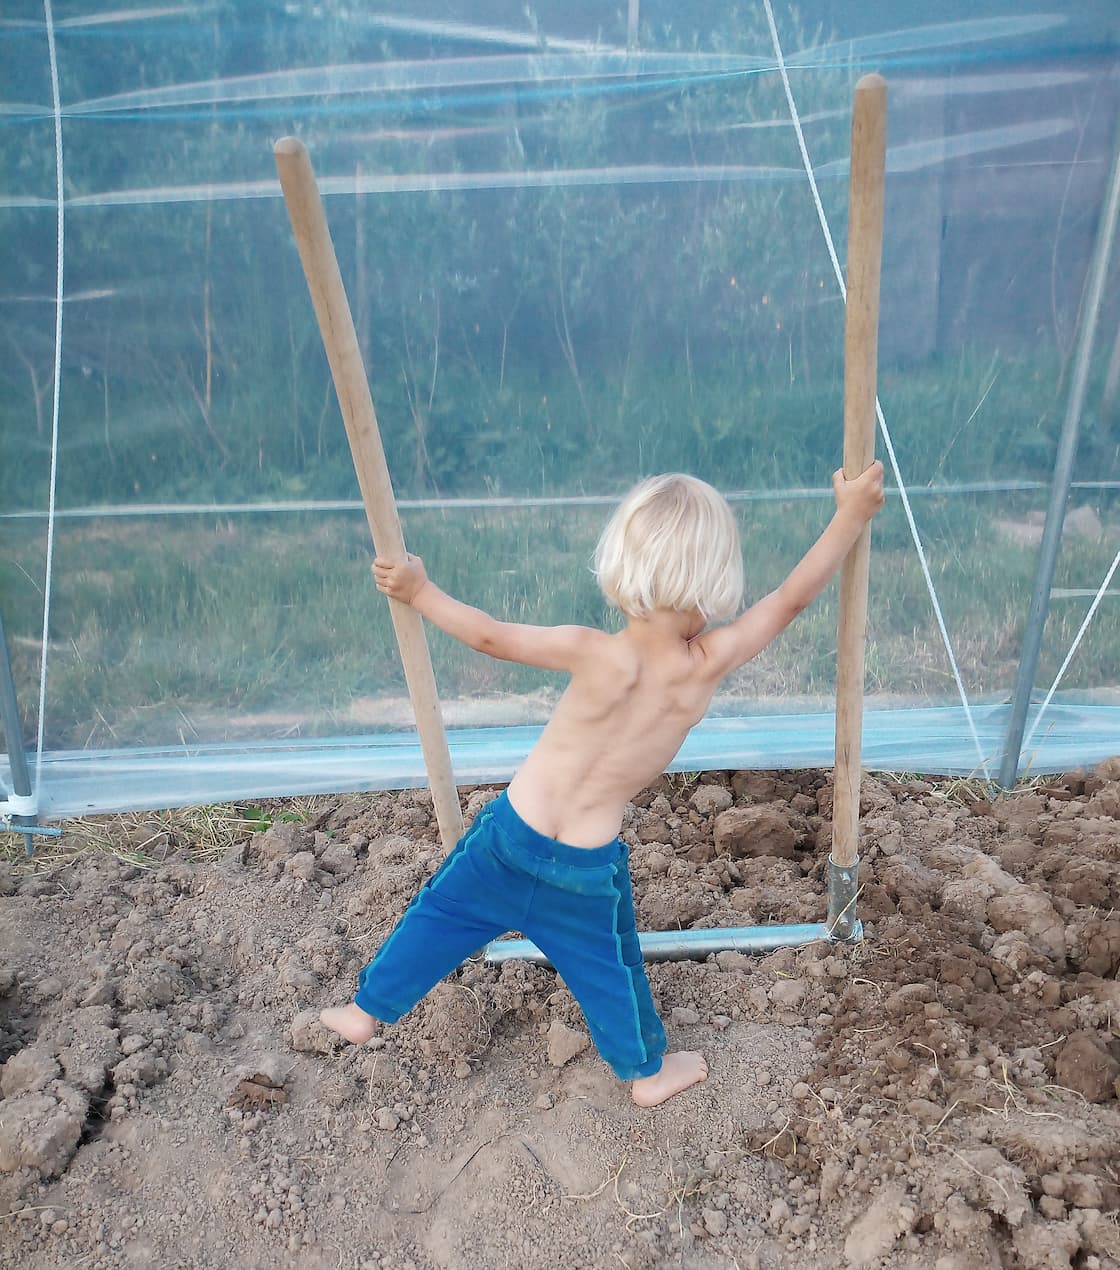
{"points": [[1059, 488], [683, 945], [13, 733]]}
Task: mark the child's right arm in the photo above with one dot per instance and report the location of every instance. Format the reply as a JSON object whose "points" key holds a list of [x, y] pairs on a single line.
{"points": [[549, 647], [728, 647]]}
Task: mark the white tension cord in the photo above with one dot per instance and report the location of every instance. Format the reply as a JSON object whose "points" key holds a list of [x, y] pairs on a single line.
{"points": [[795, 117], [1073, 648], [57, 390]]}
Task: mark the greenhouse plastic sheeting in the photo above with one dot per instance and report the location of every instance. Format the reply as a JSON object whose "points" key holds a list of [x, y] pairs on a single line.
{"points": [[932, 740], [582, 243]]}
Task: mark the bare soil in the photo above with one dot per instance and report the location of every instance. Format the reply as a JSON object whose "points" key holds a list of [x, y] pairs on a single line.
{"points": [[941, 1096]]}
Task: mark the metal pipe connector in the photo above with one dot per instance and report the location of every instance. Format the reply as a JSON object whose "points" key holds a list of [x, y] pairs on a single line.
{"points": [[843, 888]]}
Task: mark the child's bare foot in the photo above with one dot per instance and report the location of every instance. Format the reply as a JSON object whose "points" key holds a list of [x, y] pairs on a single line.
{"points": [[351, 1022], [678, 1071]]}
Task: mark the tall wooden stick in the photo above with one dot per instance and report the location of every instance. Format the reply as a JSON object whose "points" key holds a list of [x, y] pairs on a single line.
{"points": [[861, 332], [320, 265]]}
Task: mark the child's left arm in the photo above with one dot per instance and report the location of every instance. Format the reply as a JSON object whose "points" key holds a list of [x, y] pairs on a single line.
{"points": [[548, 647]]}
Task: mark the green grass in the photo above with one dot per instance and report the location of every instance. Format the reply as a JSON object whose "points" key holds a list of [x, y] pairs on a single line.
{"points": [[186, 629], [740, 423]]}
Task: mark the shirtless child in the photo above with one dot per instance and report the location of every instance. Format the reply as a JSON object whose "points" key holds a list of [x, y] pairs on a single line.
{"points": [[544, 857]]}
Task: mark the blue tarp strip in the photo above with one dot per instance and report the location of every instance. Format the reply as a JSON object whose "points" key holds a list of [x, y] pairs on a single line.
{"points": [[924, 740]]}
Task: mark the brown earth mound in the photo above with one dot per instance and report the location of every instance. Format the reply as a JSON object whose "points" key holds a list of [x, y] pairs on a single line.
{"points": [[941, 1096]]}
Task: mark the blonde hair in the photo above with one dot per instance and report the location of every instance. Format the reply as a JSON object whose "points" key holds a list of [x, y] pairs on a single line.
{"points": [[672, 543]]}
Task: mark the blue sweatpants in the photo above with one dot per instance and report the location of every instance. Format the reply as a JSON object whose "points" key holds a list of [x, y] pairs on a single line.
{"points": [[574, 903]]}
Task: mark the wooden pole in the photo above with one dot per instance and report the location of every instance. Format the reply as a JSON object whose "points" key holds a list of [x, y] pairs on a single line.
{"points": [[320, 265], [865, 244]]}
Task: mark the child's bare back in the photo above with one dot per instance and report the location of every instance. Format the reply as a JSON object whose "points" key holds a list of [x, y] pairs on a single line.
{"points": [[631, 702]]}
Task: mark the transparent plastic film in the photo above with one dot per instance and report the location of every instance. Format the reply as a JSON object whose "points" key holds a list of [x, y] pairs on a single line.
{"points": [[580, 245]]}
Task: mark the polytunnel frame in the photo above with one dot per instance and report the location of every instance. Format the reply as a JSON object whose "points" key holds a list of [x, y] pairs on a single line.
{"points": [[20, 807], [861, 412]]}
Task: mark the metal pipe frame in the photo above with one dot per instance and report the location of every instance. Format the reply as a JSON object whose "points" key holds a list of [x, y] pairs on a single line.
{"points": [[1059, 489], [685, 945], [13, 734]]}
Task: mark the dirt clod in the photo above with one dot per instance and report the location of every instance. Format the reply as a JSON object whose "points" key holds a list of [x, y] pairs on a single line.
{"points": [[941, 1096], [256, 1092], [565, 1043], [1086, 1067]]}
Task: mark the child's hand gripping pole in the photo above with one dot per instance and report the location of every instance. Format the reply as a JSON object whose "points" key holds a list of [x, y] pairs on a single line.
{"points": [[865, 245], [316, 251]]}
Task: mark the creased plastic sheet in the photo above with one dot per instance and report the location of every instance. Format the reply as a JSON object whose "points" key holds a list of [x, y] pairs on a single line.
{"points": [[915, 741]]}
